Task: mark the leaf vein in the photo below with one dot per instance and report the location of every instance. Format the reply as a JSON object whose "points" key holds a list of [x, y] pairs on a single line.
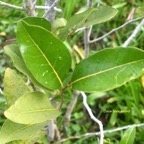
{"points": [[60, 81], [100, 72]]}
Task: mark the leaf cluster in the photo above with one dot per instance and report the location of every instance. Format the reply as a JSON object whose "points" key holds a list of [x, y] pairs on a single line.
{"points": [[41, 55]]}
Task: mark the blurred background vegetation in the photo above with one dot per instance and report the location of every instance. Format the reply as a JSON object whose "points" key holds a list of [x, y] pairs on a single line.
{"points": [[129, 97]]}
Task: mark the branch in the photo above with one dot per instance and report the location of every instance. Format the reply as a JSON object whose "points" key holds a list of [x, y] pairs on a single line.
{"points": [[47, 7], [21, 8], [89, 3], [53, 132], [50, 13], [98, 1], [132, 36], [93, 117], [71, 107], [87, 34], [105, 132], [86, 42], [11, 6], [113, 30], [34, 2], [29, 7]]}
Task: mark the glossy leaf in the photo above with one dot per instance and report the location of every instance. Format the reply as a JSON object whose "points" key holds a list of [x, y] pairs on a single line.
{"points": [[14, 53], [108, 69], [46, 57], [41, 22], [32, 108], [11, 131], [89, 17], [14, 86], [129, 136]]}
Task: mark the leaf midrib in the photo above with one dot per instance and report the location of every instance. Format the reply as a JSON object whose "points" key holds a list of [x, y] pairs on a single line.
{"points": [[59, 79], [90, 75], [33, 111]]}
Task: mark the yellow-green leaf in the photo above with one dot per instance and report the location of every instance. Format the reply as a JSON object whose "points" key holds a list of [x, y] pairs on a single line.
{"points": [[139, 12], [11, 131], [14, 53], [14, 86], [32, 108]]}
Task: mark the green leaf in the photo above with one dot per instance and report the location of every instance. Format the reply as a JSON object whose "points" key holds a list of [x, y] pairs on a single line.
{"points": [[11, 131], [102, 14], [46, 57], [139, 12], [32, 139], [129, 136], [59, 23], [108, 69], [14, 53], [14, 86], [74, 23], [32, 108], [36, 21], [36, 137], [89, 17]]}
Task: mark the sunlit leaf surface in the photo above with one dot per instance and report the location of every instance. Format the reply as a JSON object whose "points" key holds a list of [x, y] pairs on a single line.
{"points": [[108, 69]]}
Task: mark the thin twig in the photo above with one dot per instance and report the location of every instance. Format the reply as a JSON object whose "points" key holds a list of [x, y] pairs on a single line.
{"points": [[105, 132], [89, 3], [113, 30], [90, 31], [132, 36], [53, 132], [21, 8], [98, 1], [50, 13], [29, 7], [58, 9], [47, 7], [80, 29], [71, 107], [87, 34], [86, 42], [11, 6], [34, 2], [93, 117]]}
